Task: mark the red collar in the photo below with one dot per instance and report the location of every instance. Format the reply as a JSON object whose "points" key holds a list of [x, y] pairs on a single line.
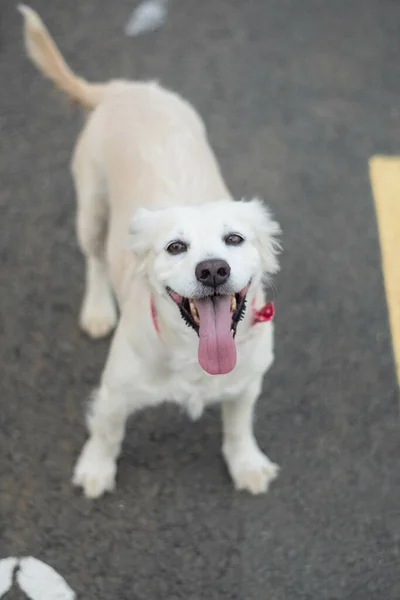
{"points": [[266, 313], [261, 315]]}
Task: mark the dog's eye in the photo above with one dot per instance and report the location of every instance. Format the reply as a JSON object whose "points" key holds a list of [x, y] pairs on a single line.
{"points": [[177, 247], [233, 239]]}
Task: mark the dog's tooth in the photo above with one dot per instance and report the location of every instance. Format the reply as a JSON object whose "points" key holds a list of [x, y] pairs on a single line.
{"points": [[194, 311], [233, 303]]}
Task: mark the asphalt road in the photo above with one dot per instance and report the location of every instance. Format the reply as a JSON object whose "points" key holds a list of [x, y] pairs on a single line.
{"points": [[297, 96]]}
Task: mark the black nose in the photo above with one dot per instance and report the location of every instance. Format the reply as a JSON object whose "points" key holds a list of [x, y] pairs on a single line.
{"points": [[213, 272]]}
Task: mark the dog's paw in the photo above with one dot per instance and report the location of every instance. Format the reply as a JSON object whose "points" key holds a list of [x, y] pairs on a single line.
{"points": [[94, 472], [98, 320], [251, 470]]}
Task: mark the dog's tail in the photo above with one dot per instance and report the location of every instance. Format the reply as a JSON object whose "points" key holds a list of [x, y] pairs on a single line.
{"points": [[45, 55]]}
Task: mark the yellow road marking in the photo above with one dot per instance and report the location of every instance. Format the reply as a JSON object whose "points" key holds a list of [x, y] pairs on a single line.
{"points": [[385, 182]]}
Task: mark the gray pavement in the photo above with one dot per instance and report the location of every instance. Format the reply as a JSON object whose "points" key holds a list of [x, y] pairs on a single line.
{"points": [[297, 96]]}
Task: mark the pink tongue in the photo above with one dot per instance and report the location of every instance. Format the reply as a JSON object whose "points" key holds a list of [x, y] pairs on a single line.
{"points": [[217, 349]]}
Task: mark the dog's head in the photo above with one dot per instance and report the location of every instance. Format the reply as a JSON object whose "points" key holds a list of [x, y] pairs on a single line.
{"points": [[205, 258]]}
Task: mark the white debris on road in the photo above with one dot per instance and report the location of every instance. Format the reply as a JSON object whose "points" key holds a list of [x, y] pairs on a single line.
{"points": [[148, 16], [36, 579], [7, 568]]}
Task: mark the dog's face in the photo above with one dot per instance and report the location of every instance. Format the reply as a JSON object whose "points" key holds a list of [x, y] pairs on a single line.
{"points": [[205, 258]]}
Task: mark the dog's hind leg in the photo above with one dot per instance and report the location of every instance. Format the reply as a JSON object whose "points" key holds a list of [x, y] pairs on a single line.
{"points": [[98, 315]]}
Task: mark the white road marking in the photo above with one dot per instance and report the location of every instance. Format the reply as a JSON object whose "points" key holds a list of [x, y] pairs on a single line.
{"points": [[148, 16], [7, 568], [36, 579]]}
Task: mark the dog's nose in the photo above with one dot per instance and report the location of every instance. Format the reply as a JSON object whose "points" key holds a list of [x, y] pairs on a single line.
{"points": [[213, 272]]}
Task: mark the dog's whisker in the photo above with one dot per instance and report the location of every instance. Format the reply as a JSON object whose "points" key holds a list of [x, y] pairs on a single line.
{"points": [[271, 288]]}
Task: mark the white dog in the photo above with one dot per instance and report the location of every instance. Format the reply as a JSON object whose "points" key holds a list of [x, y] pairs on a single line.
{"points": [[187, 269]]}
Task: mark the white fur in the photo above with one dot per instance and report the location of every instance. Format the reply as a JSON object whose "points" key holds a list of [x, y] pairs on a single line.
{"points": [[145, 175]]}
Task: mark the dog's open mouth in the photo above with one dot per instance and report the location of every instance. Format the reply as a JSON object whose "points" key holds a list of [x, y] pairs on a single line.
{"points": [[215, 319]]}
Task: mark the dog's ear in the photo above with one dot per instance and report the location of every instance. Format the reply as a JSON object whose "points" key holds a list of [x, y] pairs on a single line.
{"points": [[266, 234], [141, 233]]}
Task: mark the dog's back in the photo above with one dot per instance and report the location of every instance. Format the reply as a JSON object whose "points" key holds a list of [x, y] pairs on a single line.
{"points": [[140, 128]]}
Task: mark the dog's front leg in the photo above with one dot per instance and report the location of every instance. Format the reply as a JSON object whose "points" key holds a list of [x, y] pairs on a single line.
{"points": [[120, 395], [97, 464], [249, 468]]}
